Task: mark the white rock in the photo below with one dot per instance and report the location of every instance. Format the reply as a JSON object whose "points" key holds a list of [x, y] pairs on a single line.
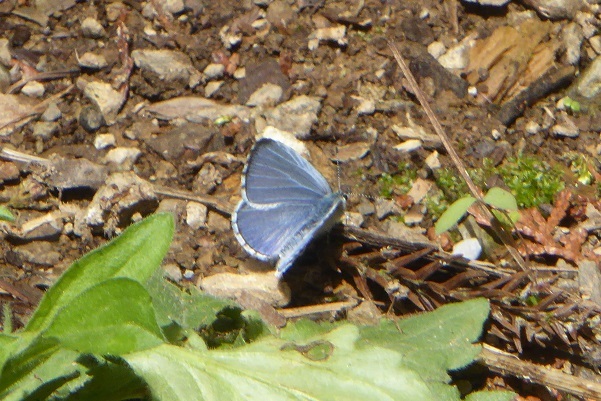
{"points": [[169, 65], [213, 71], [91, 28], [565, 130], [409, 146], [589, 84], [365, 107], [92, 60], [572, 38], [123, 156], [103, 141], [436, 49], [108, 100], [196, 215], [212, 87], [33, 89], [335, 34], [353, 219], [386, 207], [532, 127], [45, 130], [5, 56], [267, 95], [432, 161], [595, 42], [265, 286], [52, 113], [469, 248], [296, 115], [172, 6], [457, 57]]}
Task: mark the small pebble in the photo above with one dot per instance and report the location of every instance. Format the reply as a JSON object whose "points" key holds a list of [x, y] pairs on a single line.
{"points": [[90, 118], [91, 28], [52, 113], [104, 141], [213, 71], [468, 248], [212, 87], [33, 89], [433, 161], [532, 127], [123, 156], [353, 219], [188, 274], [92, 61], [196, 215], [173, 272], [565, 130], [409, 146], [45, 130]]}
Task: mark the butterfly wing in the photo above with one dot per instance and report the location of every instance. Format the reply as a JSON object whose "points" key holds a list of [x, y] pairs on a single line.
{"points": [[275, 173], [265, 232], [283, 231]]}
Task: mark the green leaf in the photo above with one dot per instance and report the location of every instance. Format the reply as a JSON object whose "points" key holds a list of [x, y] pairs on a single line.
{"points": [[38, 370], [189, 308], [435, 342], [491, 396], [6, 214], [501, 199], [114, 317], [135, 254], [453, 214], [264, 371]]}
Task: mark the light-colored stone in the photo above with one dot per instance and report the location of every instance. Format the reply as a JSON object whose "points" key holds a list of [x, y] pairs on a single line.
{"points": [[589, 84], [336, 34], [103, 141], [107, 99], [436, 49], [92, 61], [353, 219], [296, 115], [196, 215], [469, 248], [265, 286], [33, 89], [214, 71], [409, 146], [123, 156], [5, 56], [212, 87], [385, 208], [433, 161], [45, 130], [169, 65], [52, 113], [91, 28], [267, 95]]}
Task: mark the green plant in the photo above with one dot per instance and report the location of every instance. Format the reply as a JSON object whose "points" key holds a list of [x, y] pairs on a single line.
{"points": [[397, 183], [579, 165], [112, 328], [496, 197], [6, 214], [532, 181]]}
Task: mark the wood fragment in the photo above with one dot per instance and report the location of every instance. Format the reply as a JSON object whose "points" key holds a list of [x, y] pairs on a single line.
{"points": [[554, 79], [509, 365]]}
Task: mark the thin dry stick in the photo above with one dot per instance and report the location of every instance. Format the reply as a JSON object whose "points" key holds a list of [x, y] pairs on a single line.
{"points": [[503, 235], [507, 364]]}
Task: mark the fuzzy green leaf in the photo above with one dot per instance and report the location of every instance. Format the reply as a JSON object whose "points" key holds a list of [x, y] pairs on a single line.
{"points": [[114, 317], [453, 214], [6, 214], [272, 369], [135, 254]]}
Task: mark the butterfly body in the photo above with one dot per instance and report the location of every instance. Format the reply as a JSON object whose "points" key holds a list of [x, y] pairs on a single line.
{"points": [[285, 204]]}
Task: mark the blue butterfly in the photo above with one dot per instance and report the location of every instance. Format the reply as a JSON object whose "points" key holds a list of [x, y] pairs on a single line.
{"points": [[285, 204]]}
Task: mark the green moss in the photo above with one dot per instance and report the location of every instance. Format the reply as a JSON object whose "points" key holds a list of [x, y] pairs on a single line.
{"points": [[531, 181], [397, 184]]}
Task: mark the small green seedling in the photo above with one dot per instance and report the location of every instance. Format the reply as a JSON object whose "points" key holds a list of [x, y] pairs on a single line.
{"points": [[498, 198], [571, 104], [6, 215]]}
